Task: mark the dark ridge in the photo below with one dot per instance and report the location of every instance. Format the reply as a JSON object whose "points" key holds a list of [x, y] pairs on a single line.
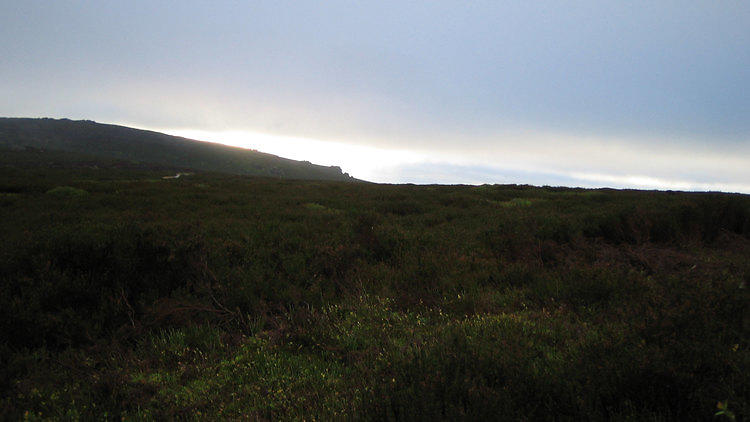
{"points": [[144, 146]]}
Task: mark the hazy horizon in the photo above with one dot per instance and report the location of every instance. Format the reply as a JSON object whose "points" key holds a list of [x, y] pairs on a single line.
{"points": [[636, 95]]}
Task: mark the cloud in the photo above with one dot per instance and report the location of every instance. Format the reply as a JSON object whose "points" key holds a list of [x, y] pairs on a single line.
{"points": [[653, 90]]}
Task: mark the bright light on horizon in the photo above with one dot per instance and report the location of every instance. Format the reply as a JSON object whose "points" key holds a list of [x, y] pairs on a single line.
{"points": [[362, 162], [383, 165]]}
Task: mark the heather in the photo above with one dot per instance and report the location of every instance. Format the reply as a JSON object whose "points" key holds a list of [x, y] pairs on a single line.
{"points": [[126, 295]]}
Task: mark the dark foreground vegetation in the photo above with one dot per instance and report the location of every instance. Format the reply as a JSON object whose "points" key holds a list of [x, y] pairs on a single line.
{"points": [[124, 295]]}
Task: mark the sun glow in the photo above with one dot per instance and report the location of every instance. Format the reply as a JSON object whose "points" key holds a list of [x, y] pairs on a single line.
{"points": [[518, 165], [362, 162]]}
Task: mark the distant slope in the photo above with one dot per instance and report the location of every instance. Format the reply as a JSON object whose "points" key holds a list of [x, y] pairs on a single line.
{"points": [[124, 143]]}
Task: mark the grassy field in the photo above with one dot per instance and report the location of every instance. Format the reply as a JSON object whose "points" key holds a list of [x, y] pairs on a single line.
{"points": [[124, 295]]}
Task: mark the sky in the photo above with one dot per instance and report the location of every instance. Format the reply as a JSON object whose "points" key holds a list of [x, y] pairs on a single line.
{"points": [[636, 94]]}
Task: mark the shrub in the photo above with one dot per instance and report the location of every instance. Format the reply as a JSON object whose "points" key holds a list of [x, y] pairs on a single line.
{"points": [[66, 192]]}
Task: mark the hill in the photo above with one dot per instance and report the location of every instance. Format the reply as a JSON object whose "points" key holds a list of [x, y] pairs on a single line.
{"points": [[136, 145], [124, 295]]}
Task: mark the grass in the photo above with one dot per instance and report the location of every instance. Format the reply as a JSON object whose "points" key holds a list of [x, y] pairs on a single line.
{"points": [[232, 297], [66, 191]]}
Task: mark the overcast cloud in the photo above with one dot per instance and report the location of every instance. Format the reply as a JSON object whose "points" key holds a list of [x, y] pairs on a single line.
{"points": [[641, 93]]}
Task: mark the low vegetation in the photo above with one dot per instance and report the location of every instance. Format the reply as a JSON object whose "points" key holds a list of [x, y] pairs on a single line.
{"points": [[125, 295]]}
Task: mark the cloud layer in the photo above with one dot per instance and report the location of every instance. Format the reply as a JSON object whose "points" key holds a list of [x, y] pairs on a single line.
{"points": [[649, 90]]}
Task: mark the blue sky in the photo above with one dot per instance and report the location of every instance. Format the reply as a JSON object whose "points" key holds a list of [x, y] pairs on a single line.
{"points": [[585, 93]]}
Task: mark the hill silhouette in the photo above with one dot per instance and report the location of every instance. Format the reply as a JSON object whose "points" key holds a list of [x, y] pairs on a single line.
{"points": [[144, 146]]}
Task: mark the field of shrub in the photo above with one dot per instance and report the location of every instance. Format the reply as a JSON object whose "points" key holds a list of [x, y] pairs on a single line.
{"points": [[124, 295]]}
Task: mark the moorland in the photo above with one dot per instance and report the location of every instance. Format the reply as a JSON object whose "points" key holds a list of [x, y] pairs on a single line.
{"points": [[124, 295], [127, 144]]}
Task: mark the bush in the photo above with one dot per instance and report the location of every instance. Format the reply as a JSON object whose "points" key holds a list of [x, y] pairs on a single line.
{"points": [[66, 192]]}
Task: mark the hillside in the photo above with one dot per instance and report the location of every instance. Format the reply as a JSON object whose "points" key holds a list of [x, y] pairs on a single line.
{"points": [[124, 143], [127, 296]]}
